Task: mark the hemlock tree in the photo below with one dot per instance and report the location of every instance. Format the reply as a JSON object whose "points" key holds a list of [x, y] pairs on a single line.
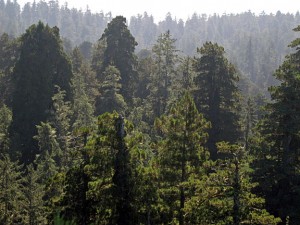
{"points": [[41, 66], [216, 95], [181, 155]]}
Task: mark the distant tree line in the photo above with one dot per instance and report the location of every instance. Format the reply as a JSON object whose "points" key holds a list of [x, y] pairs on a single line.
{"points": [[248, 39]]}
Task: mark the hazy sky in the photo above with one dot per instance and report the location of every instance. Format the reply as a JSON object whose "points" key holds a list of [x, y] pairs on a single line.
{"points": [[181, 8]]}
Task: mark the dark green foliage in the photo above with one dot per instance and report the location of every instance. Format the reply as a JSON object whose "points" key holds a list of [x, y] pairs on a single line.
{"points": [[181, 156], [216, 94], [33, 204], [109, 172], [5, 121], [11, 183], [119, 52], [162, 86], [110, 98], [122, 182], [226, 196], [279, 147], [75, 205], [9, 51], [41, 66]]}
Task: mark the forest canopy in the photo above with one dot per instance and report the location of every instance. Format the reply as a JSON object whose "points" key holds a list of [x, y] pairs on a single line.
{"points": [[108, 121]]}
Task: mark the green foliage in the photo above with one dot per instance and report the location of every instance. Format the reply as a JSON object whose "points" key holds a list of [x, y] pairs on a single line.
{"points": [[11, 183], [110, 92], [49, 158], [100, 169], [60, 120], [82, 107], [41, 66], [226, 195], [9, 52], [119, 52], [145, 177], [279, 146], [5, 121], [181, 157], [33, 204], [216, 94], [162, 86], [83, 172]]}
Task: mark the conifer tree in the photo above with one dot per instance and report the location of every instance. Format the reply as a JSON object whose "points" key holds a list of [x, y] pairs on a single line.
{"points": [[60, 120], [226, 195], [41, 66], [216, 95], [163, 77], [33, 209], [277, 150], [11, 196], [5, 121], [9, 52], [181, 155], [119, 52], [109, 171], [110, 92]]}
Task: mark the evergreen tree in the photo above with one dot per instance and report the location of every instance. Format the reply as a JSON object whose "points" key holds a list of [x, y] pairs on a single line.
{"points": [[216, 95], [9, 52], [100, 169], [119, 52], [33, 208], [145, 177], [109, 170], [83, 110], [122, 181], [181, 156], [48, 160], [60, 120], [5, 121], [226, 195], [110, 98], [277, 151], [162, 81], [41, 66], [11, 196]]}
